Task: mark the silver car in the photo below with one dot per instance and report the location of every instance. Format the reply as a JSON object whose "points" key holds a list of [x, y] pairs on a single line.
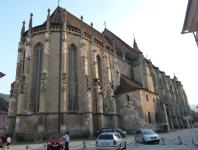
{"points": [[145, 135], [110, 140]]}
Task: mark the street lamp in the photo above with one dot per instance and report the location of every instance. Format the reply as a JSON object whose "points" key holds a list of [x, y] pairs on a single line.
{"points": [[95, 83]]}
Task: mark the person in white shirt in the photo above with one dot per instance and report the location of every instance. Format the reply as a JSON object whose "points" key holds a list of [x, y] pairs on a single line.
{"points": [[8, 142], [66, 137]]}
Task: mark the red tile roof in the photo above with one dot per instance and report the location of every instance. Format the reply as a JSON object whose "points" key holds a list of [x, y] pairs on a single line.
{"points": [[127, 84], [3, 105], [57, 17]]}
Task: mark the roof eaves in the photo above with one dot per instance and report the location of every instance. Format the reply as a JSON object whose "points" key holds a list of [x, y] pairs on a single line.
{"points": [[186, 16]]}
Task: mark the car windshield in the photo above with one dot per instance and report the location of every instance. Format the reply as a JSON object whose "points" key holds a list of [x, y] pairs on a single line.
{"points": [[57, 137], [120, 129], [106, 137], [147, 132]]}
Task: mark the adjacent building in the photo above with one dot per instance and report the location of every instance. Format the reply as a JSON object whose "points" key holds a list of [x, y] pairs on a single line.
{"points": [[3, 116], [191, 19], [56, 64]]}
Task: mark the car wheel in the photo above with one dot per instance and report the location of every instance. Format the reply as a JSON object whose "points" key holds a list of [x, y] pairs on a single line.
{"points": [[158, 142], [143, 141], [120, 148], [136, 139], [125, 146]]}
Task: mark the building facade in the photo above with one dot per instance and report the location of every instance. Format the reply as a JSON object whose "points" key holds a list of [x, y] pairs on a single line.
{"points": [[3, 116], [56, 64]]}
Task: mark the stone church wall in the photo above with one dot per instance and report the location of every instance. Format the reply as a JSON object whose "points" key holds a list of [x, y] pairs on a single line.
{"points": [[148, 107], [130, 115]]}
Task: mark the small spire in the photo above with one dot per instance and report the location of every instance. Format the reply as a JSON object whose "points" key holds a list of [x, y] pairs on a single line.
{"points": [[48, 11], [134, 41], [113, 44], [92, 34], [82, 30], [103, 40], [91, 28], [23, 29], [135, 46], [30, 24], [64, 18], [81, 22]]}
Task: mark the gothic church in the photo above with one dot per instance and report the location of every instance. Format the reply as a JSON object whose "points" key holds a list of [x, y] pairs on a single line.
{"points": [[54, 89]]}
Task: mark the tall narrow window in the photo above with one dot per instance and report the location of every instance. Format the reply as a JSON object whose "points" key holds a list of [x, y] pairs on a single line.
{"points": [[147, 98], [99, 69], [73, 81], [149, 117], [128, 98], [39, 52], [156, 118], [153, 99]]}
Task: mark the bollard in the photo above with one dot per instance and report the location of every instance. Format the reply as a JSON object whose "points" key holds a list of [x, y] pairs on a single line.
{"points": [[84, 145], [135, 143], [163, 141], [45, 147], [26, 147], [179, 140]]}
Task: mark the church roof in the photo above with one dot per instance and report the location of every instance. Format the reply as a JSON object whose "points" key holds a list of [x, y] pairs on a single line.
{"points": [[127, 84], [128, 51], [3, 105], [57, 17]]}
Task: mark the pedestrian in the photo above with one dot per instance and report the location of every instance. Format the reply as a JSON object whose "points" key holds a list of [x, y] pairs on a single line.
{"points": [[8, 142], [4, 139], [66, 137]]}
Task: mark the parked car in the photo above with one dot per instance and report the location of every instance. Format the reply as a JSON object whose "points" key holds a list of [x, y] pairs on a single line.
{"points": [[115, 129], [55, 141], [1, 143], [145, 135], [110, 140]]}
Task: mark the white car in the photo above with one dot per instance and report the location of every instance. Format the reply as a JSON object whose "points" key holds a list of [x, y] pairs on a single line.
{"points": [[110, 140]]}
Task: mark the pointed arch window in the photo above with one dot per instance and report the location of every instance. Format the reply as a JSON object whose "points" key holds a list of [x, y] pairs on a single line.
{"points": [[73, 81], [39, 52], [99, 65]]}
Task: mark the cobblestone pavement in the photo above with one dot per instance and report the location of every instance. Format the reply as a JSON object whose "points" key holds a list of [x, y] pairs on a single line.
{"points": [[171, 141]]}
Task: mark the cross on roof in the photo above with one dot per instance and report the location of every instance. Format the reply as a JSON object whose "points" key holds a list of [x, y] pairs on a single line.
{"points": [[105, 24], [58, 2]]}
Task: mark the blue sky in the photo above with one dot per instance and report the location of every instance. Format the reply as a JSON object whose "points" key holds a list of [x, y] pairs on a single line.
{"points": [[156, 24]]}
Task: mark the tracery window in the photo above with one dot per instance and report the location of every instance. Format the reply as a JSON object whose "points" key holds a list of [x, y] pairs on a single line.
{"points": [[73, 81], [39, 52]]}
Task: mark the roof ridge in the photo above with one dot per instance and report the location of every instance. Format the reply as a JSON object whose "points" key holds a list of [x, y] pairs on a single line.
{"points": [[122, 41], [54, 13]]}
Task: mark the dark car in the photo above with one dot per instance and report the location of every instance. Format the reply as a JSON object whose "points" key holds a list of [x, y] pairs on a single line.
{"points": [[115, 129], [55, 141]]}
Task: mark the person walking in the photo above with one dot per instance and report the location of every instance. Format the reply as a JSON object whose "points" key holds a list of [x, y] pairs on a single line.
{"points": [[8, 142], [66, 137], [4, 139]]}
